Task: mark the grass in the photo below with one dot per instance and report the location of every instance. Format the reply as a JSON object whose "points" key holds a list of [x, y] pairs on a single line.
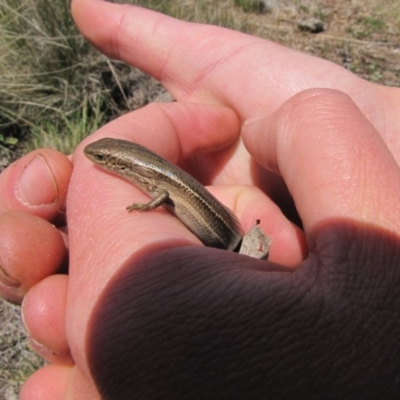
{"points": [[55, 88], [18, 361], [248, 5], [46, 79]]}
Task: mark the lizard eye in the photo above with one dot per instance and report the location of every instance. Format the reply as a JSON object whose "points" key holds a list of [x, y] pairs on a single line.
{"points": [[99, 157]]}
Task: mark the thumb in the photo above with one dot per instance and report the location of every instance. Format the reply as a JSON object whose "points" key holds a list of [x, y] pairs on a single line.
{"points": [[334, 162]]}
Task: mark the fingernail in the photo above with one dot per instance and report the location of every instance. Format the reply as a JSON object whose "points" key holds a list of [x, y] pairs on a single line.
{"points": [[254, 120], [36, 346], [39, 348], [37, 185], [6, 280]]}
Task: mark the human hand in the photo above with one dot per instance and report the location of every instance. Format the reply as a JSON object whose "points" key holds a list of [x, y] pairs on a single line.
{"points": [[230, 170], [32, 202], [156, 317], [219, 57], [208, 64]]}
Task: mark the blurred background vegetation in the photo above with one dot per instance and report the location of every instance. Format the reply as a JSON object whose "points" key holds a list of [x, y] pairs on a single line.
{"points": [[55, 88]]}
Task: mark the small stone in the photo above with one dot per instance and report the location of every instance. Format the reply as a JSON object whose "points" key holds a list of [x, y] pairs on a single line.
{"points": [[256, 243], [266, 6], [312, 24]]}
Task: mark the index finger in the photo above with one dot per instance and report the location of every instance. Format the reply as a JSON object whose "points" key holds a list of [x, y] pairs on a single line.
{"points": [[206, 63]]}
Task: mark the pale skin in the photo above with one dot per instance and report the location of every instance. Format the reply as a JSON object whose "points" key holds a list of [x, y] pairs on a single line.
{"points": [[336, 149]]}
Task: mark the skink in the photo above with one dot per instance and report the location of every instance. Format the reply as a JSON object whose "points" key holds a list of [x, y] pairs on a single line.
{"points": [[171, 187]]}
